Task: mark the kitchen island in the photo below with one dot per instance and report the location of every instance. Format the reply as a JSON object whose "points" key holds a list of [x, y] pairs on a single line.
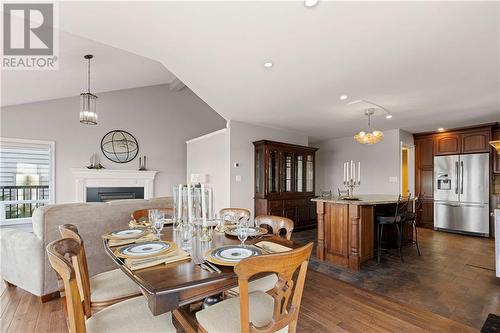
{"points": [[346, 228]]}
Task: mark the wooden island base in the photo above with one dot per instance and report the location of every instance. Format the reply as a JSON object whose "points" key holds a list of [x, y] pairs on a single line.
{"points": [[346, 234]]}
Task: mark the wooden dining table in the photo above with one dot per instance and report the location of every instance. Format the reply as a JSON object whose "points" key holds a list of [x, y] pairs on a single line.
{"points": [[167, 287]]}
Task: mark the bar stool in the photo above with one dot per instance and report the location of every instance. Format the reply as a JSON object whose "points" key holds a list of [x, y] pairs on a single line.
{"points": [[393, 220], [411, 219]]}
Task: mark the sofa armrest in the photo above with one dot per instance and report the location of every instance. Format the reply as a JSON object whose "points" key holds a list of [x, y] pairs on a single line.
{"points": [[22, 257]]}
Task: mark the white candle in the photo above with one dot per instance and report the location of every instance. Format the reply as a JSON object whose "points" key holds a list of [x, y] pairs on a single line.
{"points": [[203, 206], [344, 173], [359, 172], [179, 203], [353, 174], [190, 204], [210, 203]]}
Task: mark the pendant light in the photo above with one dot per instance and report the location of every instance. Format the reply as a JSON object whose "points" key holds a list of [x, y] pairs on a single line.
{"points": [[88, 113], [495, 144], [369, 137]]}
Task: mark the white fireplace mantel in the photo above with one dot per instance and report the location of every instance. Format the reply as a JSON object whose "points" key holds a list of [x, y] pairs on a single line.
{"points": [[85, 178]]}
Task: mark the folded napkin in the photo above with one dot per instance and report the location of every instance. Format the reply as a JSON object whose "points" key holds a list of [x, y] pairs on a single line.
{"points": [[139, 224], [171, 257], [148, 237], [272, 247]]}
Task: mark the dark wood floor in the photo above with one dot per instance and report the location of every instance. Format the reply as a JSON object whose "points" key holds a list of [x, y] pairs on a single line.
{"points": [[328, 305], [454, 277]]}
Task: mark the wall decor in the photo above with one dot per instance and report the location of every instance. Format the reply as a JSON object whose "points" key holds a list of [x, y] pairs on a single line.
{"points": [[119, 146], [142, 164], [94, 162]]}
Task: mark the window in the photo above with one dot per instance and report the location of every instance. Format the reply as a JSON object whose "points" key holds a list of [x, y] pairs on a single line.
{"points": [[26, 178]]}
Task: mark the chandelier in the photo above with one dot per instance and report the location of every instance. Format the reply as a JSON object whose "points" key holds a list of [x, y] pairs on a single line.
{"points": [[369, 137], [88, 113]]}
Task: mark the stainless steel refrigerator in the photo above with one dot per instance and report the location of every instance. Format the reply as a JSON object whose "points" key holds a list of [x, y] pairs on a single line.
{"points": [[461, 193]]}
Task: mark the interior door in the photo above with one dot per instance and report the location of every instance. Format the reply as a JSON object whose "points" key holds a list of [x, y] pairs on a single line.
{"points": [[474, 173], [446, 174]]}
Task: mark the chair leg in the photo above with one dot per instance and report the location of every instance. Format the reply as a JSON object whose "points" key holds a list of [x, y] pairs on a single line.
{"points": [[380, 231], [416, 237], [400, 241]]}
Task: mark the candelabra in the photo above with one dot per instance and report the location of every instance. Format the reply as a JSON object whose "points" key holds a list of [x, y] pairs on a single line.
{"points": [[351, 184], [350, 172]]}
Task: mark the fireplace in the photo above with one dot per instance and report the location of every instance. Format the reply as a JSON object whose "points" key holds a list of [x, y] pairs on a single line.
{"points": [[104, 194], [106, 184]]}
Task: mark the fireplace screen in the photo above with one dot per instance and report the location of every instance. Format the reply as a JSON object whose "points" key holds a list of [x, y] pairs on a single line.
{"points": [[104, 194]]}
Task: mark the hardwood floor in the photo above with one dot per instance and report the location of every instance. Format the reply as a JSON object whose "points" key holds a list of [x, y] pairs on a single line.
{"points": [[328, 305], [454, 277]]}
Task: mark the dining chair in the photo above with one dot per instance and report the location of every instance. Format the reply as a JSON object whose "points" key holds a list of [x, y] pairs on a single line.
{"points": [[258, 311], [235, 214], [103, 289], [277, 223], [132, 315], [143, 214]]}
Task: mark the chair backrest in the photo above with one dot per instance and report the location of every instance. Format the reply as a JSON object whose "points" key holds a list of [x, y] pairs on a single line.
{"points": [[234, 214], [402, 206], [276, 223], [143, 214], [284, 265], [62, 255], [83, 277]]}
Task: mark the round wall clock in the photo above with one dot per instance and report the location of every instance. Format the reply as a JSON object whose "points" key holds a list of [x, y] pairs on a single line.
{"points": [[119, 146]]}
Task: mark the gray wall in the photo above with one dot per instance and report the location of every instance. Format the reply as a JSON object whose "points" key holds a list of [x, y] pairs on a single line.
{"points": [[379, 162], [160, 120]]}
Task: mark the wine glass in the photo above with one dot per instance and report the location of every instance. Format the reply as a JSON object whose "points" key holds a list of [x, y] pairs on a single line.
{"points": [[242, 232], [158, 223], [151, 219]]}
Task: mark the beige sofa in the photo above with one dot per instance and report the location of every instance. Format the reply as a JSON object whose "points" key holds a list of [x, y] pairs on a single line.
{"points": [[23, 261]]}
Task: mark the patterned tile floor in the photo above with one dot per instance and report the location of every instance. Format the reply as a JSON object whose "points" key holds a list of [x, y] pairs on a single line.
{"points": [[454, 277]]}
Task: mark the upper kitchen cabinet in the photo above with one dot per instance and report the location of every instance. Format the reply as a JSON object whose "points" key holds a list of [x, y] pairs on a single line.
{"points": [[424, 152], [464, 141], [447, 143], [476, 141]]}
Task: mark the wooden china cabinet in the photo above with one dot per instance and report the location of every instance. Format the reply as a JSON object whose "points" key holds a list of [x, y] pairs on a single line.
{"points": [[284, 181]]}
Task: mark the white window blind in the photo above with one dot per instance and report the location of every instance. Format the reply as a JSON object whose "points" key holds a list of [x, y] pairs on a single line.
{"points": [[25, 179]]}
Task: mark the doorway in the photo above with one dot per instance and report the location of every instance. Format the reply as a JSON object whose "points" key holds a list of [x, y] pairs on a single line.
{"points": [[404, 171]]}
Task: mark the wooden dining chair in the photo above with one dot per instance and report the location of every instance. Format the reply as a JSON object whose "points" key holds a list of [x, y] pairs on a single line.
{"points": [[235, 214], [143, 214], [277, 223], [132, 315], [103, 289], [259, 311]]}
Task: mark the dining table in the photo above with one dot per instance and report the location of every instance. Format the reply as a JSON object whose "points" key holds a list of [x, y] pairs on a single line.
{"points": [[168, 287]]}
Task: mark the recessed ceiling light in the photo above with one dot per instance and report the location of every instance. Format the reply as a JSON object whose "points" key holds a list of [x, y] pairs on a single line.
{"points": [[440, 129], [268, 64], [310, 3], [343, 97], [388, 116]]}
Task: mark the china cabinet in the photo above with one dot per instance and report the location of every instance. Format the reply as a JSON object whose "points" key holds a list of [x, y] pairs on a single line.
{"points": [[284, 181]]}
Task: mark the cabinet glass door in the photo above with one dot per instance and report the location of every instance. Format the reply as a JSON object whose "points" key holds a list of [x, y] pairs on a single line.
{"points": [[299, 173], [287, 172], [273, 171], [309, 173]]}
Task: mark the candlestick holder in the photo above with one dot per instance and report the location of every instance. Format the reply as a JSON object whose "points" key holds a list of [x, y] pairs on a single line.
{"points": [[351, 184]]}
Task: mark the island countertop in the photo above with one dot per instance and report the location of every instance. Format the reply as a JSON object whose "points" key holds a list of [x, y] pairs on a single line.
{"points": [[365, 199]]}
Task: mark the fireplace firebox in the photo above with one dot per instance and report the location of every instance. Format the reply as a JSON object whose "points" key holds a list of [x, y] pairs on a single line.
{"points": [[104, 194]]}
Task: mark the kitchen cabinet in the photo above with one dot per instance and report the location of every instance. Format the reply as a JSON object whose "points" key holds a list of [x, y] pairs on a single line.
{"points": [[447, 144], [476, 141], [284, 181], [496, 156]]}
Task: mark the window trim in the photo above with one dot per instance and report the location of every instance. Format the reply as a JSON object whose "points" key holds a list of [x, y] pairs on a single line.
{"points": [[52, 174]]}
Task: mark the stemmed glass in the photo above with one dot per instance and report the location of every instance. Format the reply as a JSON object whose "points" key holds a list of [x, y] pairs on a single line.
{"points": [[242, 232], [158, 222]]}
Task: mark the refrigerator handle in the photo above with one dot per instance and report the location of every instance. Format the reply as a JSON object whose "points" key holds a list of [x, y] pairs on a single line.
{"points": [[461, 177], [456, 185]]}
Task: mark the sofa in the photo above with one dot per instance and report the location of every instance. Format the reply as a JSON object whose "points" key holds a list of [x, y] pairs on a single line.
{"points": [[23, 260]]}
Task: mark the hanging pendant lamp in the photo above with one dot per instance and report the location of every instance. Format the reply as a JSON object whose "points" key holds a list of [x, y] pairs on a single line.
{"points": [[88, 113], [369, 137]]}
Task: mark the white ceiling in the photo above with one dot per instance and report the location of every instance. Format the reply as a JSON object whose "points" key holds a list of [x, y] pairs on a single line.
{"points": [[433, 64], [112, 69]]}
